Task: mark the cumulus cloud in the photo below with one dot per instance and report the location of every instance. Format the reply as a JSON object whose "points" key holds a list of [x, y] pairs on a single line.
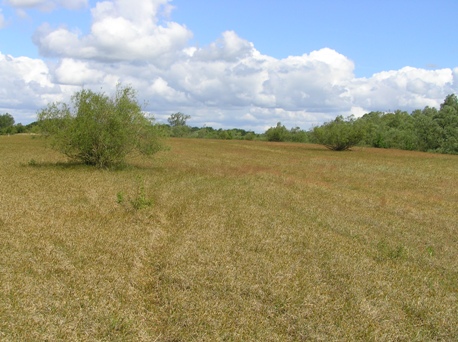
{"points": [[213, 78], [228, 83], [309, 83], [228, 48], [122, 30], [25, 86], [406, 88], [315, 81], [79, 73]]}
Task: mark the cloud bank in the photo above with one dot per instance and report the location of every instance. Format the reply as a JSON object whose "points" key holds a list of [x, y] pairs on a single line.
{"points": [[225, 84], [47, 5]]}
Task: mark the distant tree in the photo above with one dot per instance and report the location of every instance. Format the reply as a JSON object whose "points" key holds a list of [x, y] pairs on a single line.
{"points": [[427, 130], [388, 130], [99, 130], [6, 122], [430, 129], [398, 130], [20, 128], [278, 133], [178, 125], [374, 129], [447, 120], [298, 135], [178, 119], [450, 101], [225, 134], [249, 136], [339, 135], [32, 127]]}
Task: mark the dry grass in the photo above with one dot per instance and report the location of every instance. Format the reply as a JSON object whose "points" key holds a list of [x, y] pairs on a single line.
{"points": [[243, 241]]}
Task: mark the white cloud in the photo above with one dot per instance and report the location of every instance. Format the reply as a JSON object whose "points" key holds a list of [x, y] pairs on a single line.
{"points": [[358, 111], [25, 86], [406, 89], [249, 117], [214, 80], [228, 48], [74, 72], [160, 90], [122, 30], [311, 82], [47, 4]]}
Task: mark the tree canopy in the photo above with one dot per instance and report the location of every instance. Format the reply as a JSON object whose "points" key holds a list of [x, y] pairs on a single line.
{"points": [[178, 119]]}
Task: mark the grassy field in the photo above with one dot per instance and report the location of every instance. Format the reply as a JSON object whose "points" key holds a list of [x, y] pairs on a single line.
{"points": [[229, 241]]}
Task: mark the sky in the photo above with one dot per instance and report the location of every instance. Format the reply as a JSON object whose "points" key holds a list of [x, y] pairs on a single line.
{"points": [[231, 63]]}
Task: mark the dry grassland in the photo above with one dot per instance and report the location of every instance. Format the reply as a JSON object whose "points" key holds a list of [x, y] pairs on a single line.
{"points": [[229, 241]]}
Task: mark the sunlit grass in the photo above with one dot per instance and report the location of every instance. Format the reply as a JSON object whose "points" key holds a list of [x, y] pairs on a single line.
{"points": [[237, 241]]}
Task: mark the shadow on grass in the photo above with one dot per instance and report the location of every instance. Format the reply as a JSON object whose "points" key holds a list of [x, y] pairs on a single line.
{"points": [[74, 165], [53, 165]]}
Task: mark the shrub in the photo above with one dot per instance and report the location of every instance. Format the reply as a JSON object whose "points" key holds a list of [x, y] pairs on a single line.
{"points": [[338, 135], [249, 136], [298, 135], [278, 133], [99, 130]]}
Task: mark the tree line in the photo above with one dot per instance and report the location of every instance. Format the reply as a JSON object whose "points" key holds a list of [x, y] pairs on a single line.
{"points": [[428, 129], [8, 125]]}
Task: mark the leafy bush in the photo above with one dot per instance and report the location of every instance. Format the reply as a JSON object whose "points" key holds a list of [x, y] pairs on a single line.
{"points": [[249, 136], [99, 130], [338, 135], [298, 135], [278, 133]]}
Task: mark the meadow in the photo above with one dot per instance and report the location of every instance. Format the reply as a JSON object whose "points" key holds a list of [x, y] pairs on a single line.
{"points": [[229, 241]]}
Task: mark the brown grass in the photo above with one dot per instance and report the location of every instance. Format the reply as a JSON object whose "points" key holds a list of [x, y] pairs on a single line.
{"points": [[243, 241]]}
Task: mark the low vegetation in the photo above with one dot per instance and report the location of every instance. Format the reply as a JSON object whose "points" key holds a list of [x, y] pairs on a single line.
{"points": [[339, 135], [99, 130], [8, 126], [228, 240], [427, 130]]}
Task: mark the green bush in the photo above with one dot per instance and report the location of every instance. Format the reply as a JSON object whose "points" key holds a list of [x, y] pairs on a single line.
{"points": [[278, 133], [250, 136], [99, 130], [339, 135], [298, 135]]}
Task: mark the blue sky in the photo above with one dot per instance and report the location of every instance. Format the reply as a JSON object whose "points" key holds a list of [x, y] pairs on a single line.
{"points": [[376, 35], [246, 64]]}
